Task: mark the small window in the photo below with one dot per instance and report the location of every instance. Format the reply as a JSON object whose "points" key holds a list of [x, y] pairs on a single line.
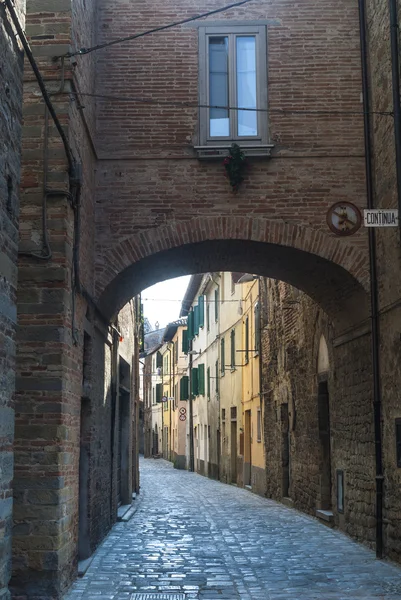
{"points": [[233, 87], [398, 441], [233, 413], [258, 425]]}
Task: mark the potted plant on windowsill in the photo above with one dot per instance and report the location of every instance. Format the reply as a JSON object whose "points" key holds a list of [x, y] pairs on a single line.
{"points": [[235, 164]]}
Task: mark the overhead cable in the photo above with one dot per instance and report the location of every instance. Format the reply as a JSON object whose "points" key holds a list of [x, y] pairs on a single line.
{"points": [[83, 51], [183, 104]]}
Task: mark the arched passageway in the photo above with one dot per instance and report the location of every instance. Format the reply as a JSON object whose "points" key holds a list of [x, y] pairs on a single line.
{"points": [[339, 291]]}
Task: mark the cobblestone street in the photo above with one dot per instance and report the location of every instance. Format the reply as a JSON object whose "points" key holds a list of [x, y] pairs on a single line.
{"points": [[193, 538]]}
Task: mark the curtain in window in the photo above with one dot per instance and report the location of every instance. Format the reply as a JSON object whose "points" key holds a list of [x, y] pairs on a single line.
{"points": [[246, 85], [219, 122]]}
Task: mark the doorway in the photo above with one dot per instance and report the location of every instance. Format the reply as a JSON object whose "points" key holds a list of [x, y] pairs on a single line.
{"points": [[248, 449], [234, 452], [325, 450], [84, 480]]}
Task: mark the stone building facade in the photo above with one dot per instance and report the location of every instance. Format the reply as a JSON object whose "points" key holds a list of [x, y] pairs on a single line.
{"points": [[11, 69]]}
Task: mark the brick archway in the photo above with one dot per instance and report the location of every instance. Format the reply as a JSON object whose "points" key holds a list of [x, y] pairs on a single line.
{"points": [[334, 272]]}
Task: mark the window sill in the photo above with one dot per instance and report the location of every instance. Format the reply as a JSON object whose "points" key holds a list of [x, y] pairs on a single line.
{"points": [[220, 151]]}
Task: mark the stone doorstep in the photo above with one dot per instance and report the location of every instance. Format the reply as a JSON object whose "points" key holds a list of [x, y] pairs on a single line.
{"points": [[325, 515], [83, 565], [287, 501]]}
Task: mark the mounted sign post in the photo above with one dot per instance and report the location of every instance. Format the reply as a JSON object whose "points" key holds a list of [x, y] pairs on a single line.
{"points": [[380, 218]]}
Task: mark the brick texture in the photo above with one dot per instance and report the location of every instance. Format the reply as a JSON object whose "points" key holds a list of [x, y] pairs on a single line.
{"points": [[11, 66]]}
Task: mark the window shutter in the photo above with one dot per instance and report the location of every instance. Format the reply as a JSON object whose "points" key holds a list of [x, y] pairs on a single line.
{"points": [[208, 382], [201, 379], [195, 386], [223, 357], [184, 387], [159, 360], [217, 377], [247, 340], [201, 304], [216, 304], [233, 349], [196, 320], [159, 392], [190, 324], [185, 341], [257, 327]]}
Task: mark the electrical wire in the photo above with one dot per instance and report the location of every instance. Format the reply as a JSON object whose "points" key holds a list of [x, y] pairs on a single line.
{"points": [[83, 51], [177, 104]]}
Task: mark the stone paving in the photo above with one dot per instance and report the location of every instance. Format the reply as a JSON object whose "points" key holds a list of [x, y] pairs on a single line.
{"points": [[193, 538]]}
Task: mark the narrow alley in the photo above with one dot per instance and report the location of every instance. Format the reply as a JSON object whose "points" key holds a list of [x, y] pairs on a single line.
{"points": [[194, 538]]}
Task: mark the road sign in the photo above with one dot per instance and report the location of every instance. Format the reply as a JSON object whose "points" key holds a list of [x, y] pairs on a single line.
{"points": [[183, 417], [183, 411], [380, 218], [344, 218], [164, 398], [171, 398]]}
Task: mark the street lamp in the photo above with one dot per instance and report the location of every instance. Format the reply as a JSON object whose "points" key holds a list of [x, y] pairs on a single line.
{"points": [[191, 353]]}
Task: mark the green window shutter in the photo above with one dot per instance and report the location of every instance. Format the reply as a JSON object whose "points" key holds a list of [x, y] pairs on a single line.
{"points": [[233, 349], [195, 384], [208, 317], [201, 379], [159, 392], [196, 320], [216, 304], [257, 327], [217, 376], [159, 360], [184, 387], [190, 323], [201, 304], [223, 357], [208, 382], [185, 341]]}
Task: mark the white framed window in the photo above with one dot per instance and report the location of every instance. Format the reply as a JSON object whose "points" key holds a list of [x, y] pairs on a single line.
{"points": [[233, 89]]}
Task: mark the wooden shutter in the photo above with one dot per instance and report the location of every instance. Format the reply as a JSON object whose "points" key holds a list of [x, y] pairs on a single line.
{"points": [[195, 386], [223, 355], [201, 379], [196, 320], [190, 323], [201, 304], [185, 341], [184, 387], [233, 348], [208, 382], [159, 360], [247, 340], [216, 304], [159, 392], [217, 377], [257, 327]]}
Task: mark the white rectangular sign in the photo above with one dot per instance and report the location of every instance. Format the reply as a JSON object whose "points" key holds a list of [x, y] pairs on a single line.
{"points": [[380, 218]]}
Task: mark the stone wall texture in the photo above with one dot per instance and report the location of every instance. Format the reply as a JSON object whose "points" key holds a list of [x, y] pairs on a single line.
{"points": [[298, 465], [11, 68], [388, 262]]}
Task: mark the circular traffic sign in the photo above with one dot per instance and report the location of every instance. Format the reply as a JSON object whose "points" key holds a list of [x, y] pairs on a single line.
{"points": [[183, 411], [183, 417], [344, 218]]}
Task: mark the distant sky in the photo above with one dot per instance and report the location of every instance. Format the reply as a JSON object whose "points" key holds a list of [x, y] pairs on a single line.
{"points": [[162, 301]]}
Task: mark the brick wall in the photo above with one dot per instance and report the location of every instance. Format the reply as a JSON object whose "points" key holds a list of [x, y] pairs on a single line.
{"points": [[11, 66]]}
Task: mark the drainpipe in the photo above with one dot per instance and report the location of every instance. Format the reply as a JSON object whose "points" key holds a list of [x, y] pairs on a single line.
{"points": [[395, 77], [373, 288]]}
